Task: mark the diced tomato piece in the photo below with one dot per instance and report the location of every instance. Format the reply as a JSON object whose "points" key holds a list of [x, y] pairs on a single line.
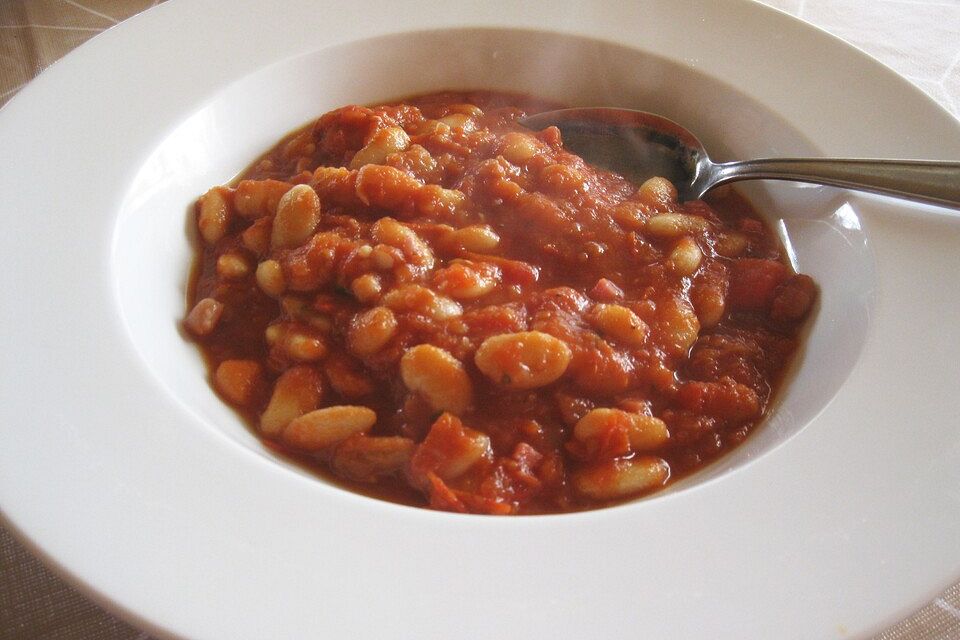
{"points": [[794, 299], [480, 504], [613, 442], [753, 283], [725, 399], [449, 450], [606, 291], [442, 497], [523, 463]]}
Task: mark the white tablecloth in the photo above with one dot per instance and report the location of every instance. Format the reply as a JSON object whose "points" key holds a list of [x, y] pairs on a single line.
{"points": [[919, 39]]}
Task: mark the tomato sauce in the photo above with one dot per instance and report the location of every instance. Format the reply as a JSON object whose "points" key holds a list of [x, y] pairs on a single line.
{"points": [[428, 303]]}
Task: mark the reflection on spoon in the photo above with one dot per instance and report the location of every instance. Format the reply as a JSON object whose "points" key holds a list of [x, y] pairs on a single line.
{"points": [[641, 145]]}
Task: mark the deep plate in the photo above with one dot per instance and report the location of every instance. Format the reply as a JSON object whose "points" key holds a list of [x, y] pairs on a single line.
{"points": [[120, 466]]}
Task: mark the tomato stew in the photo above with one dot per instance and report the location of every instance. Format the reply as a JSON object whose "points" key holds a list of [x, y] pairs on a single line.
{"points": [[431, 304]]}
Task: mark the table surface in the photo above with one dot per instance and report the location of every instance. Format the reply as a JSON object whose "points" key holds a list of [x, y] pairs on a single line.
{"points": [[916, 38]]}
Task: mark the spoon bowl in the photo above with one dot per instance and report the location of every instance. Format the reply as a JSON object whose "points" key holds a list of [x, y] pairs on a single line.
{"points": [[641, 145]]}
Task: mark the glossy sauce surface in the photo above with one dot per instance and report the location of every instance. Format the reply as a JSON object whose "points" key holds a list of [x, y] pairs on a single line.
{"points": [[433, 305]]}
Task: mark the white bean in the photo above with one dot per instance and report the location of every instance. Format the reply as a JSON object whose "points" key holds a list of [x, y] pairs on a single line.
{"points": [[678, 324], [366, 458], [418, 299], [215, 214], [232, 266], [390, 232], [298, 214], [518, 148], [523, 360], [203, 318], [383, 143], [658, 193], [620, 323], [672, 225], [439, 377], [466, 280], [237, 380], [478, 238], [366, 288], [296, 392], [644, 432], [686, 256], [621, 478], [371, 330], [322, 428], [270, 278]]}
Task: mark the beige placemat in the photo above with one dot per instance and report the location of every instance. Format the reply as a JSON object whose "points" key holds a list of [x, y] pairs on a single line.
{"points": [[920, 39]]}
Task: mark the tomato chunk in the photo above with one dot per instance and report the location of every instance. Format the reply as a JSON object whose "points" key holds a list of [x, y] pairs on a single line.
{"points": [[754, 282]]}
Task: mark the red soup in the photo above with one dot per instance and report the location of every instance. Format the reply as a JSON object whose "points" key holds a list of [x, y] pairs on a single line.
{"points": [[428, 303]]}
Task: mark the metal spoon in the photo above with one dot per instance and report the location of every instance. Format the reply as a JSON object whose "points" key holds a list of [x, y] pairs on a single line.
{"points": [[641, 145]]}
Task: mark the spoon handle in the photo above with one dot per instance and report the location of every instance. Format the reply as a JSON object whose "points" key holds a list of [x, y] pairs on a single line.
{"points": [[923, 180]]}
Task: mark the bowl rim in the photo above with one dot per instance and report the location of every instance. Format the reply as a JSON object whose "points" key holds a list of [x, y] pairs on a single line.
{"points": [[37, 520]]}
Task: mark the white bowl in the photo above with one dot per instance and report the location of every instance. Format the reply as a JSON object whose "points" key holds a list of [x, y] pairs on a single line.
{"points": [[121, 467], [152, 254]]}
